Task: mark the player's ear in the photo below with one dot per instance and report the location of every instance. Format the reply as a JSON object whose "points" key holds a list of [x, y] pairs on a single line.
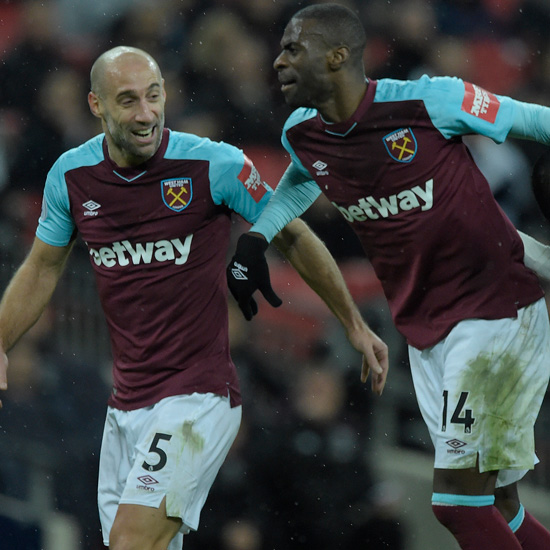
{"points": [[338, 57], [93, 102]]}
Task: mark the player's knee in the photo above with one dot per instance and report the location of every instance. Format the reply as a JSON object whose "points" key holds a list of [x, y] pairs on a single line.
{"points": [[120, 540], [507, 501], [124, 539]]}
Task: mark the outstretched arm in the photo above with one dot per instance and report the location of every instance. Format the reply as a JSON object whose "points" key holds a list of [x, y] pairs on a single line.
{"points": [[312, 260], [248, 271], [27, 295]]}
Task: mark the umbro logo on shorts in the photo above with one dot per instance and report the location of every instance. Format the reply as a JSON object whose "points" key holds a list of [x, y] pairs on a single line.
{"points": [[456, 444], [147, 480]]}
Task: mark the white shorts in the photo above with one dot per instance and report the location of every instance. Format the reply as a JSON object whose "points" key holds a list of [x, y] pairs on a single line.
{"points": [[173, 449], [480, 391]]}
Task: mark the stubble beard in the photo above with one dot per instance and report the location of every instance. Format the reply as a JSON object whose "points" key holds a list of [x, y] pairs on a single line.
{"points": [[122, 139]]}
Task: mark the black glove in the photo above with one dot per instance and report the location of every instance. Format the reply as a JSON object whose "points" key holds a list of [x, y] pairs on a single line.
{"points": [[248, 272]]}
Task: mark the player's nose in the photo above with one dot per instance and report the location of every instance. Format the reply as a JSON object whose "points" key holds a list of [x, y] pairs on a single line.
{"points": [[145, 112], [279, 62]]}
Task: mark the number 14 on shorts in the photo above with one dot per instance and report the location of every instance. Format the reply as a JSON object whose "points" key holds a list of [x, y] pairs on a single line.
{"points": [[461, 415]]}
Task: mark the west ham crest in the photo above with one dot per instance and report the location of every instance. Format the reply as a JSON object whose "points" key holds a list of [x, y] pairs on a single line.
{"points": [[401, 145], [177, 193]]}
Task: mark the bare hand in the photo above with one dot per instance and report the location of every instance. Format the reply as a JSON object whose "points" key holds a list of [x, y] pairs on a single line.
{"points": [[375, 357]]}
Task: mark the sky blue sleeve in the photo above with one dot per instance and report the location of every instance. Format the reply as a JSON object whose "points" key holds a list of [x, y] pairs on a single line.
{"points": [[295, 193], [531, 121], [455, 107], [235, 182], [56, 224]]}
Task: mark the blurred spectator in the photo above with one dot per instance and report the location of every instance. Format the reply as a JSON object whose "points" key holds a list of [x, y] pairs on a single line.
{"points": [[241, 535], [35, 54], [53, 412], [379, 521], [92, 19], [229, 74], [508, 172], [22, 73], [314, 464], [160, 29], [59, 120]]}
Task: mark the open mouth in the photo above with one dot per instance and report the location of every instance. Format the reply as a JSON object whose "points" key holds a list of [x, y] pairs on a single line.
{"points": [[286, 85], [144, 135]]}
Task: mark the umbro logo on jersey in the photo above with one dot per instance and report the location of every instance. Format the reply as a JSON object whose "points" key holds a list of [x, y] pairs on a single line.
{"points": [[320, 166], [91, 208]]}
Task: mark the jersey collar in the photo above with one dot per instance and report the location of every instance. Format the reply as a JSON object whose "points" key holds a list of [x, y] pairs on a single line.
{"points": [[342, 129], [131, 174]]}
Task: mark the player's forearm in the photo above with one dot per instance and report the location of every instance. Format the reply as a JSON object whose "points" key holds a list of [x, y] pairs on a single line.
{"points": [[531, 121], [25, 299], [293, 196], [312, 260], [22, 304]]}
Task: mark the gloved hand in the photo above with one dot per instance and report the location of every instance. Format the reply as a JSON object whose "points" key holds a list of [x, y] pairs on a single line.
{"points": [[248, 272]]}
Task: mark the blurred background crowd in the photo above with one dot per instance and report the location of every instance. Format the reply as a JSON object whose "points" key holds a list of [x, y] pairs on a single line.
{"points": [[304, 472]]}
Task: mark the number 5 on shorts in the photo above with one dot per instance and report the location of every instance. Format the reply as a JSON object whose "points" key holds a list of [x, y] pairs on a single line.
{"points": [[156, 449], [467, 419]]}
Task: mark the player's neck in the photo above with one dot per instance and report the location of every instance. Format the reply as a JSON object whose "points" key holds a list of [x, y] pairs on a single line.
{"points": [[344, 102]]}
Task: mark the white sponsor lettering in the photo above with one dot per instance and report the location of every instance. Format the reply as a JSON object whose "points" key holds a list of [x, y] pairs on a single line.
{"points": [[124, 253], [254, 180], [370, 208], [400, 134], [481, 101]]}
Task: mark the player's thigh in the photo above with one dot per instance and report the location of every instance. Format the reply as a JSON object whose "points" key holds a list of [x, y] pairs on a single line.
{"points": [[165, 458], [115, 461], [143, 528], [179, 453], [480, 390], [467, 481]]}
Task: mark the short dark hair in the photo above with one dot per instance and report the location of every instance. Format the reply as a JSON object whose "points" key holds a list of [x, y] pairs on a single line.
{"points": [[339, 26]]}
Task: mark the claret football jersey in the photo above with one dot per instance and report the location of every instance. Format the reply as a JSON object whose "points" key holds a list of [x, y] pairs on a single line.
{"points": [[399, 173], [158, 236]]}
